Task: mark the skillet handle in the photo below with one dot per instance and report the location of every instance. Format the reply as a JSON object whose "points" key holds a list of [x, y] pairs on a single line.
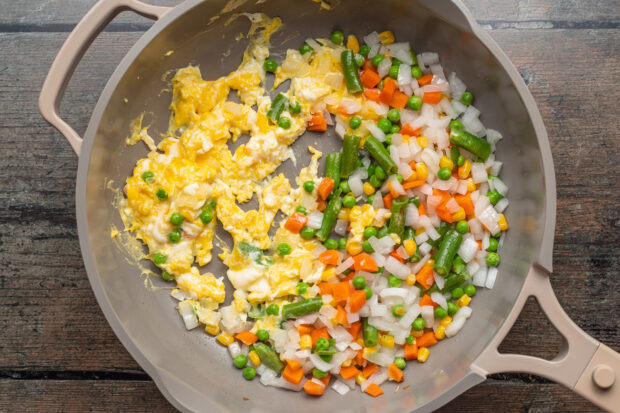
{"points": [[71, 53], [583, 364]]}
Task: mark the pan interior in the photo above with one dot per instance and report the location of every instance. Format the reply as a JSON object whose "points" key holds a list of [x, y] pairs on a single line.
{"points": [[148, 318]]}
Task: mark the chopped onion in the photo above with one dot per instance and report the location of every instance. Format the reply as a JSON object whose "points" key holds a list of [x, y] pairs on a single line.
{"points": [[479, 277], [404, 75], [425, 248], [340, 388], [468, 249], [372, 39], [411, 314], [379, 258], [234, 349], [186, 310], [394, 292], [340, 129], [313, 43], [395, 267], [384, 67], [315, 218], [457, 87], [411, 215], [501, 205], [306, 319], [341, 227], [493, 136], [375, 131], [356, 185], [438, 298], [346, 264], [428, 314], [402, 52], [404, 169], [491, 276], [455, 326]]}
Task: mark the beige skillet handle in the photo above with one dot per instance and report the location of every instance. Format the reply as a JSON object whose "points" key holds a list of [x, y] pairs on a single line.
{"points": [[71, 53], [583, 365]]}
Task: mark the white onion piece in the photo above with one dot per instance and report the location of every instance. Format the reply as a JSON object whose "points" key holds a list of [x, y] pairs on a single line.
{"points": [[384, 67], [428, 314], [423, 237], [379, 258], [425, 248], [478, 172], [411, 215], [439, 280], [372, 39], [480, 276], [346, 264], [411, 314], [404, 169], [418, 265], [455, 327], [491, 276], [468, 249], [315, 218], [438, 298], [377, 202], [394, 154], [356, 185], [375, 131], [234, 349], [340, 388], [381, 359], [395, 267], [404, 75], [186, 310], [394, 292]]}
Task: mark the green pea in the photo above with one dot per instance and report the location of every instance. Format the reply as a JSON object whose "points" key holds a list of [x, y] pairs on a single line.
{"points": [[284, 249], [374, 181], [301, 209], [364, 50], [368, 292], [349, 201], [211, 204], [371, 169], [460, 160], [400, 363], [394, 282], [457, 293], [444, 174], [262, 334], [410, 340], [359, 60], [367, 247], [344, 187], [394, 115], [370, 232], [309, 186], [337, 37], [398, 310], [383, 231], [302, 288], [174, 236], [414, 102], [355, 122], [440, 312], [393, 72], [467, 98], [396, 62], [494, 196], [418, 324], [321, 344], [161, 194], [493, 259], [294, 108], [305, 48], [342, 243], [416, 72], [307, 233], [388, 140], [284, 122], [470, 290], [166, 275], [452, 308], [399, 178], [331, 244], [159, 259], [206, 216], [176, 219], [456, 124], [395, 129], [148, 176], [462, 227], [371, 199], [270, 65], [376, 61], [493, 244], [359, 282], [319, 374], [240, 361], [326, 357], [249, 373], [273, 309], [380, 172], [385, 125]]}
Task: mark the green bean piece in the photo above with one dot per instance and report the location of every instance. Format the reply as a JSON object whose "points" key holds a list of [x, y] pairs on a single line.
{"points": [[473, 144], [447, 250], [371, 334], [268, 357], [333, 165], [397, 220], [299, 308], [454, 154], [350, 155], [453, 281], [330, 215], [380, 154], [277, 107], [349, 69]]}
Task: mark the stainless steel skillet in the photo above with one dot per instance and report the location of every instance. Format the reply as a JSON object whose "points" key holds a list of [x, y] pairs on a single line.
{"points": [[193, 371]]}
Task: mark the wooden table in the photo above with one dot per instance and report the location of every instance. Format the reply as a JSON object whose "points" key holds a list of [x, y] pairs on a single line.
{"points": [[57, 352]]}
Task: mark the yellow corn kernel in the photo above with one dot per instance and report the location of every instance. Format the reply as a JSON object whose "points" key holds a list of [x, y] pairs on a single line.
{"points": [[459, 215], [213, 330], [386, 340], [360, 341], [422, 141], [463, 301], [305, 342], [503, 224], [423, 353], [386, 37], [464, 170], [354, 247], [411, 280], [344, 213], [347, 363], [367, 351], [225, 339], [368, 189], [420, 230], [421, 171], [417, 333], [440, 333], [430, 262], [413, 176], [359, 379], [446, 321], [253, 356], [328, 273], [353, 44], [471, 186], [395, 238], [446, 162], [410, 246]]}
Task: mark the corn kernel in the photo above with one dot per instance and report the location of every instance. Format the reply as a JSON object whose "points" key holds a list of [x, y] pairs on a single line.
{"points": [[464, 170], [386, 37], [225, 339], [413, 176], [347, 363], [395, 238], [305, 342], [503, 224], [410, 247], [360, 341], [368, 189], [463, 301], [421, 171], [359, 379], [417, 333], [420, 230], [423, 353], [423, 141], [353, 247], [446, 162], [459, 215], [367, 351], [253, 356], [386, 340], [430, 262], [471, 186], [345, 213], [446, 321], [353, 44], [213, 330], [440, 333]]}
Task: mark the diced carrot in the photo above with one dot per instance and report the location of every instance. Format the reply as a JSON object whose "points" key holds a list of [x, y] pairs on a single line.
{"points": [[479, 244], [425, 80], [444, 214], [321, 204], [397, 256], [413, 184], [372, 94], [296, 222], [341, 291], [466, 203], [329, 257], [304, 329], [369, 369], [374, 390], [370, 78], [326, 288], [325, 379], [359, 357], [395, 373], [364, 262], [246, 337], [318, 333], [317, 122], [294, 364], [387, 93], [411, 351], [432, 98], [399, 100], [426, 340], [355, 328], [325, 187], [314, 389], [409, 131], [357, 300], [387, 200], [393, 191], [422, 209], [292, 375], [341, 315], [349, 372], [426, 300], [425, 277], [445, 197], [349, 277], [368, 65]]}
